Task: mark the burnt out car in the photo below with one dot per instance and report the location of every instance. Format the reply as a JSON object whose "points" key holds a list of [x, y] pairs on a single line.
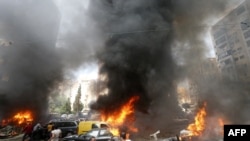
{"points": [[98, 134]]}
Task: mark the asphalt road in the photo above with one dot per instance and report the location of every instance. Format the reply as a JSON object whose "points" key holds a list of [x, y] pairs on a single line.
{"points": [[16, 138]]}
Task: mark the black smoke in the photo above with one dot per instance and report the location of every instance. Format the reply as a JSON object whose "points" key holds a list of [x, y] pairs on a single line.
{"points": [[30, 67], [136, 63], [150, 46]]}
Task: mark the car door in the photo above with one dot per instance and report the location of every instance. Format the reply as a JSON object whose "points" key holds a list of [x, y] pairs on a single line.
{"points": [[104, 135], [88, 135]]}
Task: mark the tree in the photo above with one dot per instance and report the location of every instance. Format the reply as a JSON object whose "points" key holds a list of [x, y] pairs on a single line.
{"points": [[59, 103], [66, 108], [78, 105]]}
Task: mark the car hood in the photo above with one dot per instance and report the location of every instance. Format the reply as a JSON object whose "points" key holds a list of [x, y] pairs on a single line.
{"points": [[71, 136]]}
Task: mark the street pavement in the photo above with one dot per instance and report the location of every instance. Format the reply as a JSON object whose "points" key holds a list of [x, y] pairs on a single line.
{"points": [[15, 138]]}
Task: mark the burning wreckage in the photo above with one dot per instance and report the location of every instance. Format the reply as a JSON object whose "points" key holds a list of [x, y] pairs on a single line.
{"points": [[7, 131], [122, 123], [13, 126], [202, 129]]}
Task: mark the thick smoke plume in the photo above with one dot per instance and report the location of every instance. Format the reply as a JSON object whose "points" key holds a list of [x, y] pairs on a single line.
{"points": [[30, 66], [136, 63], [150, 47]]}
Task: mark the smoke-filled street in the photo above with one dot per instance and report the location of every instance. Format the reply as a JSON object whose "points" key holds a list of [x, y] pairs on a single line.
{"points": [[153, 69]]}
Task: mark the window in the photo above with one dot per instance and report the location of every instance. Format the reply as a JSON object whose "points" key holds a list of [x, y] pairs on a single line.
{"points": [[220, 40], [242, 56], [233, 51], [248, 43], [219, 32], [94, 126], [222, 46], [231, 44], [104, 133], [222, 55], [245, 24], [104, 126], [247, 34], [92, 133], [71, 124], [228, 61], [229, 52], [240, 10], [239, 49], [59, 124]]}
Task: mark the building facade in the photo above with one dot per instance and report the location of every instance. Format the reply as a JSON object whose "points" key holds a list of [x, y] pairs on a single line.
{"points": [[231, 38], [207, 71]]}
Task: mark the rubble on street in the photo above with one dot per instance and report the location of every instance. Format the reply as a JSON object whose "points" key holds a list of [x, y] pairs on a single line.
{"points": [[9, 131]]}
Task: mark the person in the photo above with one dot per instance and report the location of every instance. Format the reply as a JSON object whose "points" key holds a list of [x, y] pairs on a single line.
{"points": [[35, 132], [27, 131], [56, 134], [50, 127], [37, 127], [127, 137]]}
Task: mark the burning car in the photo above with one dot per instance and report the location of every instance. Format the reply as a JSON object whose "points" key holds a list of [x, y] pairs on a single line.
{"points": [[204, 128], [13, 126]]}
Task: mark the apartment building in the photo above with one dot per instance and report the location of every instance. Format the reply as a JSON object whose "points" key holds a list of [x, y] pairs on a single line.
{"points": [[231, 38]]}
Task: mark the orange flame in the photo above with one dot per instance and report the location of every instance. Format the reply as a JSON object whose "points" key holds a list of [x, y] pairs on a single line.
{"points": [[198, 126], [119, 117], [23, 117], [221, 126], [19, 118]]}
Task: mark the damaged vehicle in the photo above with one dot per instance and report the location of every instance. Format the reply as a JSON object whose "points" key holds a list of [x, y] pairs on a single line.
{"points": [[8, 131], [98, 134]]}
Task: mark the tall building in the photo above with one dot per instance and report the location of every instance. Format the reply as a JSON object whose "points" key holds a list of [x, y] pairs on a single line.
{"points": [[231, 38], [207, 71]]}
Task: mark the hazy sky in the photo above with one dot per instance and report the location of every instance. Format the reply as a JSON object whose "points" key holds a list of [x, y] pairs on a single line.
{"points": [[68, 10]]}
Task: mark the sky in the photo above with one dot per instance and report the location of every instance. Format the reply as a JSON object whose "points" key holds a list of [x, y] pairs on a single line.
{"points": [[68, 9]]}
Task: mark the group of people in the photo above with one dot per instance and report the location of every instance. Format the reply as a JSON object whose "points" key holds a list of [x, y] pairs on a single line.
{"points": [[50, 132]]}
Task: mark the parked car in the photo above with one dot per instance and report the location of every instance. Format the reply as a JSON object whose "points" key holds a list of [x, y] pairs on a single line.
{"points": [[98, 134], [67, 127], [85, 126]]}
